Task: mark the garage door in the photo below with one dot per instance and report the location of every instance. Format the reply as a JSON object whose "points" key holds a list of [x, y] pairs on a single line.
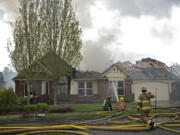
{"points": [[162, 90]]}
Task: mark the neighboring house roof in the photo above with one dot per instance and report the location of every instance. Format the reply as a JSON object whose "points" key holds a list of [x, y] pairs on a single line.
{"points": [[35, 76], [152, 73], [1, 77], [86, 75], [2, 82], [41, 69]]}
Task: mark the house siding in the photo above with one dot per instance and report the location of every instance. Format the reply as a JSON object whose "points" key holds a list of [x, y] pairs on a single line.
{"points": [[103, 88], [128, 88], [175, 91], [19, 89]]}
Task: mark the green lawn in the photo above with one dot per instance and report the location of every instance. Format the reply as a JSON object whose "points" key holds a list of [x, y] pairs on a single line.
{"points": [[85, 110], [9, 118], [96, 107]]}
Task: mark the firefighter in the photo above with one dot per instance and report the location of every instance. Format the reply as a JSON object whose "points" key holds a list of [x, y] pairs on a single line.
{"points": [[121, 106], [31, 95], [107, 104], [143, 105]]}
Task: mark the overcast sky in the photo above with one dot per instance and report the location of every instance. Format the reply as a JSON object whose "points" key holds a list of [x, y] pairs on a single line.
{"points": [[115, 30]]}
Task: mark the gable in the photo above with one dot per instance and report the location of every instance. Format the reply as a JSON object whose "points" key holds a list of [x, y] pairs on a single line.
{"points": [[42, 68], [115, 72]]}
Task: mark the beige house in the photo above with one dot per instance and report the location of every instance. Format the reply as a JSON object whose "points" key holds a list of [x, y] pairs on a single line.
{"points": [[93, 87]]}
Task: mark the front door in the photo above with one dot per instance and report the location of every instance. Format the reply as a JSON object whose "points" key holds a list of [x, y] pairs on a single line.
{"points": [[63, 92]]}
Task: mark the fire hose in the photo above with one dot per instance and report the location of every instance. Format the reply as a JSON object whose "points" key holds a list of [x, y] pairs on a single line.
{"points": [[111, 117]]}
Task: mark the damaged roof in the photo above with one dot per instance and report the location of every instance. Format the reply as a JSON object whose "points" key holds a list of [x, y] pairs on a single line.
{"points": [[133, 71], [151, 73]]}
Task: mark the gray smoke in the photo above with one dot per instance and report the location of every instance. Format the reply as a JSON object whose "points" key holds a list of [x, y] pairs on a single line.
{"points": [[165, 33], [1, 14], [8, 75], [83, 12], [10, 9], [136, 8], [96, 55]]}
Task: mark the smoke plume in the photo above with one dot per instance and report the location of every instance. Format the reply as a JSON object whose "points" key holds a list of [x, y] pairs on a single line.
{"points": [[10, 9], [96, 54], [137, 8]]}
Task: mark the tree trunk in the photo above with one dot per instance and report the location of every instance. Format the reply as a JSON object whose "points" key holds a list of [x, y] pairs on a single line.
{"points": [[55, 93], [28, 93]]}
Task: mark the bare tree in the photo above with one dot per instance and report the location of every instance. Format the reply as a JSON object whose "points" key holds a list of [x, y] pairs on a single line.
{"points": [[47, 26]]}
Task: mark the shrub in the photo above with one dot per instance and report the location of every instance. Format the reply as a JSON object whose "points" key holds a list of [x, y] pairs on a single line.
{"points": [[11, 108], [64, 108], [43, 99], [8, 97], [30, 108], [17, 108], [22, 101], [4, 109], [42, 107]]}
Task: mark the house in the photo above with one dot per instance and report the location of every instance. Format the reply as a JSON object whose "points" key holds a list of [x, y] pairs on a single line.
{"points": [[41, 81], [127, 80], [2, 82], [96, 86], [121, 79]]}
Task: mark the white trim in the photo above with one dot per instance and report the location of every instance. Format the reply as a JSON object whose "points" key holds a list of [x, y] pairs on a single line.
{"points": [[48, 88], [43, 85], [121, 87], [117, 65]]}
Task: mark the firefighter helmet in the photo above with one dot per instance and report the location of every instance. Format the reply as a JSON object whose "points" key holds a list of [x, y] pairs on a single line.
{"points": [[122, 99], [143, 89]]}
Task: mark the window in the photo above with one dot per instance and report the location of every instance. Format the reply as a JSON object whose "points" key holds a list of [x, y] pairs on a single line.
{"points": [[47, 88], [85, 88], [25, 90], [89, 91], [120, 87]]}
